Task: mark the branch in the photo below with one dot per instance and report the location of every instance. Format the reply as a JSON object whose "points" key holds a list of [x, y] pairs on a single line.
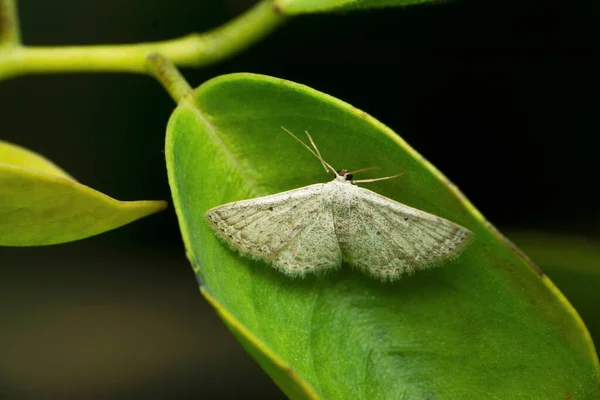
{"points": [[194, 50], [10, 33]]}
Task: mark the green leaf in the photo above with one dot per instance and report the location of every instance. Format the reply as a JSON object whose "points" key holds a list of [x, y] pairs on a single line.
{"points": [[291, 7], [486, 325], [285, 377], [42, 205], [574, 264]]}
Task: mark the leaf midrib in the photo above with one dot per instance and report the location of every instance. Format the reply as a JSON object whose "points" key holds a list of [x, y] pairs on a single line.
{"points": [[230, 157]]}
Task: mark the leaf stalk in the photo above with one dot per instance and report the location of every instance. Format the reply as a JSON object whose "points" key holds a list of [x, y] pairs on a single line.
{"points": [[10, 31]]}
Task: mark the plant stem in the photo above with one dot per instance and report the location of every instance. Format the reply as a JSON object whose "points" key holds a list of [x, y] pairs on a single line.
{"points": [[10, 33], [169, 76], [190, 51]]}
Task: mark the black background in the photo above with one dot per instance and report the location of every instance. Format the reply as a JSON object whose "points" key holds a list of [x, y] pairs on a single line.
{"points": [[501, 96]]}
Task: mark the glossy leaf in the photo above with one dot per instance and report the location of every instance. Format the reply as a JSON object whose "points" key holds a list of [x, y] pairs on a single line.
{"points": [[291, 7], [486, 325], [42, 205], [573, 263]]}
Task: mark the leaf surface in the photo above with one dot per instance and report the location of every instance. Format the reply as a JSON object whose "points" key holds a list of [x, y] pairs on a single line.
{"points": [[489, 324], [573, 263]]}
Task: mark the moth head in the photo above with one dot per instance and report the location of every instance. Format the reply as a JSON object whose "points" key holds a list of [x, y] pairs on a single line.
{"points": [[344, 173]]}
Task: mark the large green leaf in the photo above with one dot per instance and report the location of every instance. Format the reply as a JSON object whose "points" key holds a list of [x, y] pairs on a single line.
{"points": [[573, 262], [487, 325], [291, 7], [40, 204]]}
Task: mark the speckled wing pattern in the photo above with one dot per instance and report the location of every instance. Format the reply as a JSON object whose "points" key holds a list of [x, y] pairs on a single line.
{"points": [[311, 229], [293, 230], [387, 239]]}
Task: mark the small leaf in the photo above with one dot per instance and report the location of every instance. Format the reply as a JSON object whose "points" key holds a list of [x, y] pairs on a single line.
{"points": [[486, 325], [291, 7], [41, 204]]}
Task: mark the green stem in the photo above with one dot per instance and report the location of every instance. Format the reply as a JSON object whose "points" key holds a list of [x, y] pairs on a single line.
{"points": [[189, 51], [169, 76], [10, 33]]}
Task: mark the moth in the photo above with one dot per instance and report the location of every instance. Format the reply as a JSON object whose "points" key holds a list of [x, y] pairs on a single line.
{"points": [[314, 229]]}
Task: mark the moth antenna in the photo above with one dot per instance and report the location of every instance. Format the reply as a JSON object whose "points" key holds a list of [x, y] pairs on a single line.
{"points": [[363, 170], [316, 154], [378, 179], [312, 142], [301, 142]]}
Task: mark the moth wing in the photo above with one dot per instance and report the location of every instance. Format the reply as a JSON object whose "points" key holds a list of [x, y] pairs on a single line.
{"points": [[293, 231], [387, 239]]}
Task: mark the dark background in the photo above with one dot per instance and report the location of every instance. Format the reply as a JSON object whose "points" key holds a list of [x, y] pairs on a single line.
{"points": [[502, 96]]}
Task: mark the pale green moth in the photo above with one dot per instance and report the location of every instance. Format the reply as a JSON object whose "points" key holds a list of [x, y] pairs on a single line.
{"points": [[314, 228]]}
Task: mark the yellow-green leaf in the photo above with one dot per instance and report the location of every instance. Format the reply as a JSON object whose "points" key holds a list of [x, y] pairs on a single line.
{"points": [[40, 204]]}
